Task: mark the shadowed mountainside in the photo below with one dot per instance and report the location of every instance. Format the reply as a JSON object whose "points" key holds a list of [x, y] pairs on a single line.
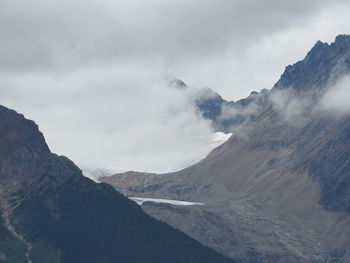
{"points": [[52, 213]]}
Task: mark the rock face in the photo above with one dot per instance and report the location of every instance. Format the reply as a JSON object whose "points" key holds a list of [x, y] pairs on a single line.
{"points": [[228, 116], [51, 213], [323, 64], [225, 116], [279, 189]]}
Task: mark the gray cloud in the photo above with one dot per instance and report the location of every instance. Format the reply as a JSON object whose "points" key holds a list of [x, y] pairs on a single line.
{"points": [[91, 73], [40, 34]]}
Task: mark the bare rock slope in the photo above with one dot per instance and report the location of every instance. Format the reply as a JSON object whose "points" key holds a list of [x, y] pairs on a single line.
{"points": [[279, 189]]}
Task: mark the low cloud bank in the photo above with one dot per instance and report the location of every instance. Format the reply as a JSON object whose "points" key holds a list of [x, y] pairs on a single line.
{"points": [[113, 118], [332, 101]]}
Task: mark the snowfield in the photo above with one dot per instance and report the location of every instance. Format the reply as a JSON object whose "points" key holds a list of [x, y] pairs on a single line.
{"points": [[140, 201]]}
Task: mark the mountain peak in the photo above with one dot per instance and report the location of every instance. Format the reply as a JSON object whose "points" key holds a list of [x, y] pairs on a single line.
{"points": [[343, 38], [322, 64], [178, 84], [17, 132], [317, 49]]}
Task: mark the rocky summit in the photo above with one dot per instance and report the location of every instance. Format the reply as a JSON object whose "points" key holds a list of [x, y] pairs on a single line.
{"points": [[279, 189]]}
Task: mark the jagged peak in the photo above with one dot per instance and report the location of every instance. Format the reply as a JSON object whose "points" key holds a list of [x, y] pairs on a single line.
{"points": [[178, 84], [319, 66], [17, 132], [339, 39], [342, 38], [319, 47]]}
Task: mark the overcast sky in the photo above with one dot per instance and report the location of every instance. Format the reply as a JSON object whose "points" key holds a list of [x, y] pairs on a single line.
{"points": [[93, 74]]}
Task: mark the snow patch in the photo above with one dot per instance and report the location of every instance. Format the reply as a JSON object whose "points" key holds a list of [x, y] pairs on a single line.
{"points": [[140, 201], [96, 173], [220, 137]]}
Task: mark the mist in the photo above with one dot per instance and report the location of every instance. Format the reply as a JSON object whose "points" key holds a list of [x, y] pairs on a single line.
{"points": [[336, 100], [94, 75], [114, 119]]}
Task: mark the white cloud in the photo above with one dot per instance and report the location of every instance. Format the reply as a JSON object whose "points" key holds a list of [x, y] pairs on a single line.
{"points": [[113, 118], [336, 100], [228, 112], [297, 108], [291, 107]]}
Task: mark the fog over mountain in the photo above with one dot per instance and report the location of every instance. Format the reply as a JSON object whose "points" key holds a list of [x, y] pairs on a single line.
{"points": [[94, 75], [336, 100]]}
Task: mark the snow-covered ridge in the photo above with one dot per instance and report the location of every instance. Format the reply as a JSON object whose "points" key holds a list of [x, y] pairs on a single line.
{"points": [[140, 201]]}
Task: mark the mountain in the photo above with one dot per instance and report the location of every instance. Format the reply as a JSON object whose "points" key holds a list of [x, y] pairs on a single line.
{"points": [[279, 189], [50, 212], [225, 116]]}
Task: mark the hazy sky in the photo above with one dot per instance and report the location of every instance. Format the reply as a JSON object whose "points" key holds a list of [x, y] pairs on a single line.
{"points": [[93, 74]]}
